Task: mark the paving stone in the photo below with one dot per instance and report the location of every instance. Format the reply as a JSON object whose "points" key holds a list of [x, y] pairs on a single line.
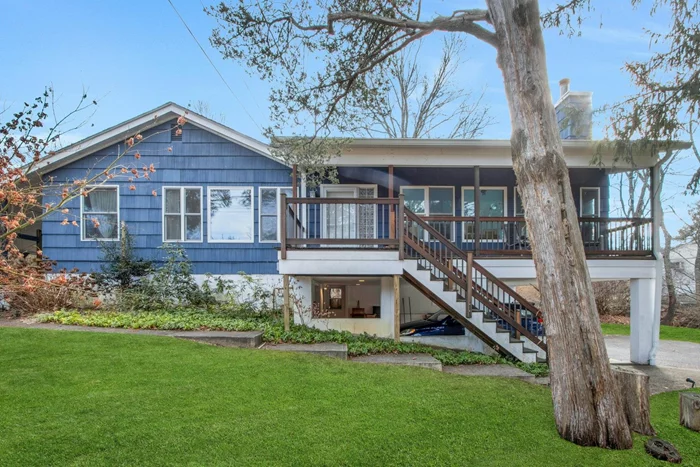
{"points": [[249, 339], [325, 349], [500, 370], [408, 359]]}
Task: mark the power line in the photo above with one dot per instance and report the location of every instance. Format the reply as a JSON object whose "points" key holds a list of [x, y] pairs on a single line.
{"points": [[214, 66]]}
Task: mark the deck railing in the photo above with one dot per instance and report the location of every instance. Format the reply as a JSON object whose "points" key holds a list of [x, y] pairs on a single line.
{"points": [[375, 222]]}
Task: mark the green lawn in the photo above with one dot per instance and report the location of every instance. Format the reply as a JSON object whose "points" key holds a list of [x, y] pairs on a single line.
{"points": [[77, 398], [671, 333]]}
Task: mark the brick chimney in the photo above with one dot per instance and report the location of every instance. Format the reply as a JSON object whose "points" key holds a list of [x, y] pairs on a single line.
{"points": [[574, 112]]}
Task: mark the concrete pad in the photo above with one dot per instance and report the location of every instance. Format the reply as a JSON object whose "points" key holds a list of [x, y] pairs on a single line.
{"points": [[669, 354], [407, 359], [500, 370], [665, 379], [327, 349], [248, 339]]}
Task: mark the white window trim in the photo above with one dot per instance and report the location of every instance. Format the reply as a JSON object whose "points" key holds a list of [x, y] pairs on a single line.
{"points": [[252, 213], [426, 197], [82, 221], [344, 186], [505, 209], [260, 214], [183, 223], [580, 199], [426, 200], [515, 203]]}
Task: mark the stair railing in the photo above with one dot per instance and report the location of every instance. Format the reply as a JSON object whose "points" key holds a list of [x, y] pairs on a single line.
{"points": [[480, 289]]}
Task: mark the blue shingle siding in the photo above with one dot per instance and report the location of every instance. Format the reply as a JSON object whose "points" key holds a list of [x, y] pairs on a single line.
{"points": [[200, 159]]}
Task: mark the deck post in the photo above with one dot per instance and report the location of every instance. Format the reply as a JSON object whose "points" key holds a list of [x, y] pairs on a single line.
{"points": [[286, 302], [400, 226], [295, 194], [397, 308], [283, 226], [469, 274], [392, 212], [477, 209]]}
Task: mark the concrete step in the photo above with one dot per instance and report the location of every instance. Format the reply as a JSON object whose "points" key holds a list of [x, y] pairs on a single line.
{"points": [[326, 349], [250, 339], [503, 371], [408, 359]]}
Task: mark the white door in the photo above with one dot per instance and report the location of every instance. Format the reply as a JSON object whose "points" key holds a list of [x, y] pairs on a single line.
{"points": [[340, 220], [349, 221]]}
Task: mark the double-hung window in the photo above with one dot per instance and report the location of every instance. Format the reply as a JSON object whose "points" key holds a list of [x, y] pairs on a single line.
{"points": [[182, 214], [269, 222], [230, 214], [99, 213], [492, 203], [432, 201]]}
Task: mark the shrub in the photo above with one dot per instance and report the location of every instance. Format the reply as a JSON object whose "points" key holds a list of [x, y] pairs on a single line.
{"points": [[31, 287], [121, 268], [612, 297]]}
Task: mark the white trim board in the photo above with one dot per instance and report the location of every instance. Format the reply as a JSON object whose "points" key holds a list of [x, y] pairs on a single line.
{"points": [[150, 119]]}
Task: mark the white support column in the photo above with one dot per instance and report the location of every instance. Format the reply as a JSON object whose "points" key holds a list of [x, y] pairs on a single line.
{"points": [[656, 212], [387, 303], [644, 335]]}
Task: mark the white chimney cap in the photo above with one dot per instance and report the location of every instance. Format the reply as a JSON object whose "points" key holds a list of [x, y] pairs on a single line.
{"points": [[563, 86]]}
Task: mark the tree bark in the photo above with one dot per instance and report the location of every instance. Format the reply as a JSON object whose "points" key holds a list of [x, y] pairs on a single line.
{"points": [[668, 276], [696, 277], [690, 410], [587, 406], [634, 389]]}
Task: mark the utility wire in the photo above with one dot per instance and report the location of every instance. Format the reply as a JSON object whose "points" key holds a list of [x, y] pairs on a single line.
{"points": [[214, 66]]}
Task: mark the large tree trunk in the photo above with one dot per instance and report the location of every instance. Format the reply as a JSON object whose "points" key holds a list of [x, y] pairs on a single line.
{"points": [[587, 407], [696, 275], [668, 276]]}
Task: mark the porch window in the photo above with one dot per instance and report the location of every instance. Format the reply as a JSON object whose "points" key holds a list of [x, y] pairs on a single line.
{"points": [[269, 223], [349, 220], [230, 214], [589, 206], [492, 203], [182, 214], [590, 202], [432, 201], [519, 210], [100, 213]]}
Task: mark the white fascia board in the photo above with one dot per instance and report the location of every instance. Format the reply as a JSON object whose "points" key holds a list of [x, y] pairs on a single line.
{"points": [[466, 153], [120, 132]]}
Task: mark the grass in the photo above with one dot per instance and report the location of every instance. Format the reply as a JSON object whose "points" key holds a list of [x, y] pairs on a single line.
{"points": [[273, 332], [672, 333], [74, 398]]}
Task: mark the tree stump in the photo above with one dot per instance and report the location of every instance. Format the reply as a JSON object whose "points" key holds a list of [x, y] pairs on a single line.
{"points": [[690, 410], [663, 450], [634, 389]]}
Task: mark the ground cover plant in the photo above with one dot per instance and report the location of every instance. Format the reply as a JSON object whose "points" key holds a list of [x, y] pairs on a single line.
{"points": [[273, 332], [75, 398]]}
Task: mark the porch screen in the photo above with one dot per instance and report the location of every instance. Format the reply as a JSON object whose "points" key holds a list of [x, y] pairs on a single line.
{"points": [[100, 213]]}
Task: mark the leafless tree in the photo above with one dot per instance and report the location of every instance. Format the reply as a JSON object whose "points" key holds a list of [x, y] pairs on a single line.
{"points": [[419, 105], [204, 109]]}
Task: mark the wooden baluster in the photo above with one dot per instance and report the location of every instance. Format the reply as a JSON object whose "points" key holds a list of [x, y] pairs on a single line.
{"points": [[400, 227]]}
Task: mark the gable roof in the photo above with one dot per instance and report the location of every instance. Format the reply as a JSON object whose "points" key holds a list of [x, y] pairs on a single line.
{"points": [[159, 115]]}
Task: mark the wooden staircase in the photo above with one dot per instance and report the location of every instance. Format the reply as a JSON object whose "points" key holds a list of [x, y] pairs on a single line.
{"points": [[483, 304]]}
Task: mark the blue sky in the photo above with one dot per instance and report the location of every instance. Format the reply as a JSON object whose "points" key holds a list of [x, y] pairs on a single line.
{"points": [[133, 56]]}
